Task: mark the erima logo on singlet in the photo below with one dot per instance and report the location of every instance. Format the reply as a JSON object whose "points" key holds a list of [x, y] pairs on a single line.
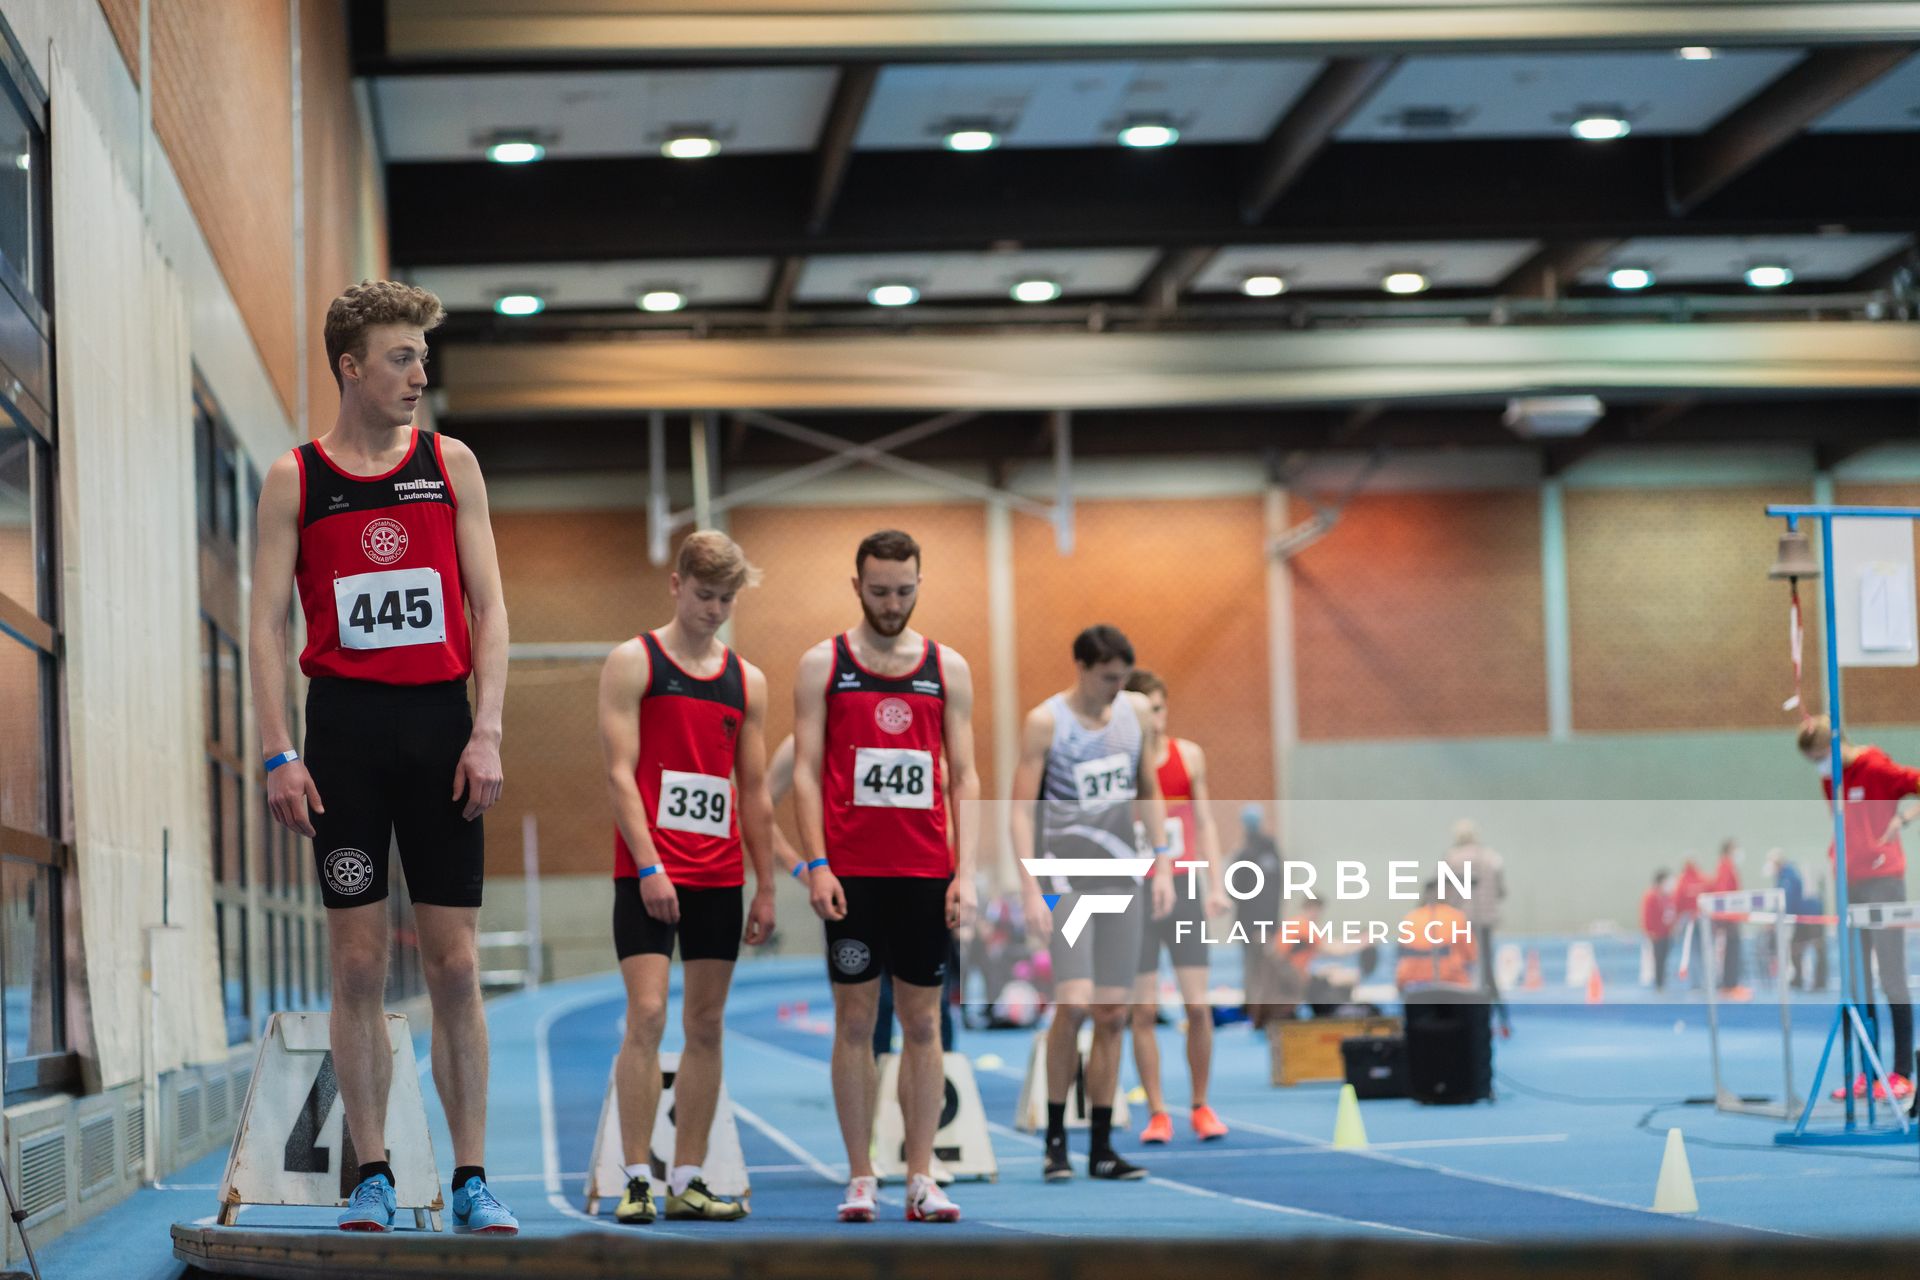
{"points": [[926, 686], [849, 679], [338, 502]]}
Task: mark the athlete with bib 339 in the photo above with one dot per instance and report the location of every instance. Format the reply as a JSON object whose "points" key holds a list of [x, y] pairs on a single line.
{"points": [[681, 727], [384, 529], [875, 709]]}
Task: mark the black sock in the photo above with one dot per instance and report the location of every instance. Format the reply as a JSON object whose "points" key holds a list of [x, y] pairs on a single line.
{"points": [[1102, 1118], [466, 1171], [370, 1167], [1056, 1124]]}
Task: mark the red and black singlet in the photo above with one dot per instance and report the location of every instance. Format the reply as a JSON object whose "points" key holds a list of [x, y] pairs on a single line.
{"points": [[689, 733], [379, 570], [1176, 789], [882, 776]]}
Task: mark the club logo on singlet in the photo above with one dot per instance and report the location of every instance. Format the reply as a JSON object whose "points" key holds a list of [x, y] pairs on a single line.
{"points": [[850, 956], [384, 540], [893, 715], [349, 871]]}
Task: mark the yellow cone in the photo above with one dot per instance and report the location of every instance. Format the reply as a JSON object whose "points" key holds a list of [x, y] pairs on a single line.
{"points": [[1674, 1194], [1349, 1134], [1136, 1095]]}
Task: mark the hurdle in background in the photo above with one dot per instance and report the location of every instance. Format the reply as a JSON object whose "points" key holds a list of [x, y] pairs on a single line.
{"points": [[1749, 906]]}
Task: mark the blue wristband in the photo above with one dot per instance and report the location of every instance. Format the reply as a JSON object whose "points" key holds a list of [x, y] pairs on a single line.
{"points": [[816, 864], [285, 757], [644, 872], [798, 867], [1161, 849]]}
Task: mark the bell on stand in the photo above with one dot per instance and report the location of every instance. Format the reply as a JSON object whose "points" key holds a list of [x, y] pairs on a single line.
{"points": [[1795, 559]]}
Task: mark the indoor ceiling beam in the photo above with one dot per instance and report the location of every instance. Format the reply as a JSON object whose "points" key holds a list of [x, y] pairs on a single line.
{"points": [[835, 152], [1304, 131]]}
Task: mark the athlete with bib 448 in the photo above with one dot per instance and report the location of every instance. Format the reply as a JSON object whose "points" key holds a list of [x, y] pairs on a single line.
{"points": [[681, 722], [384, 529], [875, 710]]}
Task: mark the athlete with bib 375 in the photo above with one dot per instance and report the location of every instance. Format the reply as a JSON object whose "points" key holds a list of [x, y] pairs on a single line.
{"points": [[682, 727], [384, 529], [874, 710]]}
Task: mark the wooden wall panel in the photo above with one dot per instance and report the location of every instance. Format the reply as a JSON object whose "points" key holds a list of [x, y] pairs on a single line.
{"points": [[1186, 580], [1675, 625], [1422, 615]]}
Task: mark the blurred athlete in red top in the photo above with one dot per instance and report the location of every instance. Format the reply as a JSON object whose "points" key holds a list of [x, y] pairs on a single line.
{"points": [[1198, 893], [682, 721], [1876, 872], [874, 709]]}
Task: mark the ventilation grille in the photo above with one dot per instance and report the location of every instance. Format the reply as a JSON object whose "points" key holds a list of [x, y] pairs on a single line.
{"points": [[96, 1154], [216, 1103], [136, 1136], [187, 1114], [241, 1081], [43, 1173]]}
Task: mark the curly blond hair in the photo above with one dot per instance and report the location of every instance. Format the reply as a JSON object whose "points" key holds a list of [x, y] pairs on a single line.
{"points": [[371, 303]]}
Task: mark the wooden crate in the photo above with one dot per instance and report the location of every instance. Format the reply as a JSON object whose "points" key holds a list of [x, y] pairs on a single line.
{"points": [[1308, 1050]]}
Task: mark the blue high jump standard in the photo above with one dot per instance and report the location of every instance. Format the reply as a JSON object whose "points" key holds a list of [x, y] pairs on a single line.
{"points": [[1848, 1026]]}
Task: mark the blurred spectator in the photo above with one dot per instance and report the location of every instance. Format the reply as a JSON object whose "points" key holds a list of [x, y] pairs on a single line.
{"points": [[1726, 933], [1807, 934], [1487, 887], [1436, 945], [1656, 921], [1260, 973], [1686, 906]]}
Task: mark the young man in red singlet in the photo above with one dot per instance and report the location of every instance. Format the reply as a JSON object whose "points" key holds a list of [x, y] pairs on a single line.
{"points": [[384, 530], [682, 720], [1199, 893], [874, 710]]}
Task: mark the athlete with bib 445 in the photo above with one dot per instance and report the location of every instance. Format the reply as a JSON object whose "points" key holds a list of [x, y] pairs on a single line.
{"points": [[875, 712], [384, 530]]}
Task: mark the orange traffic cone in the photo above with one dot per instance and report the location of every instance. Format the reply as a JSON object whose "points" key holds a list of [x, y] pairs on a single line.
{"points": [[1596, 990], [1533, 980]]}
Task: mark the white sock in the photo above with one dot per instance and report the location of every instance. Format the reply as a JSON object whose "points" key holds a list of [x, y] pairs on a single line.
{"points": [[640, 1170], [682, 1175]]}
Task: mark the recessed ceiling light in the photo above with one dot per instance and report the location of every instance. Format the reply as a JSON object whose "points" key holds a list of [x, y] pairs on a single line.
{"points": [[1146, 136], [1769, 276], [515, 151], [893, 295], [662, 300], [1601, 128], [1036, 291], [1698, 53], [520, 304], [1405, 282], [972, 140], [1263, 286], [1630, 278], [690, 147]]}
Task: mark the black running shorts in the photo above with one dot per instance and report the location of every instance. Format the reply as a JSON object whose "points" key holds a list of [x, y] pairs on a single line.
{"points": [[711, 921], [895, 923], [1187, 952], [1107, 949], [383, 758]]}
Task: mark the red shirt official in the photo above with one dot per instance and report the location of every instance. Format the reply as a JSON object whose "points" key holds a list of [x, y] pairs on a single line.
{"points": [[1875, 785]]}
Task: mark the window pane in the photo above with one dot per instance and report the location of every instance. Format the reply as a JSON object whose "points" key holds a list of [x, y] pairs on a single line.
{"points": [[203, 466], [210, 677], [22, 161], [214, 797], [23, 506], [233, 836], [234, 706], [33, 981], [23, 738], [230, 923]]}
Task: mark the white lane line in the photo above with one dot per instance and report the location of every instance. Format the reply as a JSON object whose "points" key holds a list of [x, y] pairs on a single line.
{"points": [[1267, 1206], [832, 1173], [549, 1134], [1373, 1153]]}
